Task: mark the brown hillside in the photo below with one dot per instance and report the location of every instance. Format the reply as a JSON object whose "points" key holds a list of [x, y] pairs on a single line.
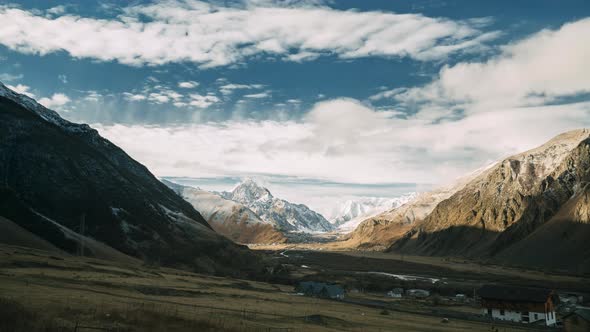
{"points": [[538, 191]]}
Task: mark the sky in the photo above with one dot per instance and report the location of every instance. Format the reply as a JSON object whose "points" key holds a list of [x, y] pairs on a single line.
{"points": [[320, 100]]}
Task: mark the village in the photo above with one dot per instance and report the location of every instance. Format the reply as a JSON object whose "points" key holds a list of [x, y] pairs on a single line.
{"points": [[499, 297], [539, 308]]}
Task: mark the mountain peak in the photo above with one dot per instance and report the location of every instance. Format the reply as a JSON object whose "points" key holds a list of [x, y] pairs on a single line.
{"points": [[284, 215], [249, 190]]}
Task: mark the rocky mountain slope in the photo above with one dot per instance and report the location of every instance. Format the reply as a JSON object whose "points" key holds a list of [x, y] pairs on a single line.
{"points": [[347, 215], [229, 218], [64, 183], [285, 216], [378, 232], [529, 209]]}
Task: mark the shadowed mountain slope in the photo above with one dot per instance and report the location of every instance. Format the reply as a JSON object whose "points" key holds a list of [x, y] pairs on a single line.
{"points": [[60, 181]]}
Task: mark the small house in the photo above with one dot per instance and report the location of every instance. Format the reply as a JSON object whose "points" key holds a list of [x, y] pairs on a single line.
{"points": [[519, 304], [396, 293], [320, 289], [418, 293], [577, 321], [571, 297]]}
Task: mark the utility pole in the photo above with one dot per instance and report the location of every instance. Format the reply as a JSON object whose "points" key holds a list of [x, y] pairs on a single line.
{"points": [[82, 231]]}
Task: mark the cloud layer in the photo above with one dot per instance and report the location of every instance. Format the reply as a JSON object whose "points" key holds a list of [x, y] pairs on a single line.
{"points": [[473, 113], [544, 68], [343, 140], [212, 35]]}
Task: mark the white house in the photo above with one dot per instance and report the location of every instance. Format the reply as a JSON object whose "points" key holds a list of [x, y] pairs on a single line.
{"points": [[519, 304], [396, 293]]}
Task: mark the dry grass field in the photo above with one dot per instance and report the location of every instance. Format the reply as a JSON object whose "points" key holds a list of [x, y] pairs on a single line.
{"points": [[41, 291]]}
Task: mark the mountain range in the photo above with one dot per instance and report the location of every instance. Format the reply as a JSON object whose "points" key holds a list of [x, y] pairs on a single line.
{"points": [[64, 185], [65, 188], [531, 209]]}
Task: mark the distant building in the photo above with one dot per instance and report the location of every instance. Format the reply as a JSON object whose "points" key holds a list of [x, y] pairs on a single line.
{"points": [[418, 293], [396, 292], [571, 297], [460, 298], [577, 321], [519, 304], [320, 289]]}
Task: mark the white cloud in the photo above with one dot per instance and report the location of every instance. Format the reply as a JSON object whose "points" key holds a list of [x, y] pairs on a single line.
{"points": [[6, 77], [22, 89], [155, 95], [58, 99], [346, 141], [188, 84], [202, 101], [215, 35], [228, 89], [134, 97], [93, 96], [63, 78], [540, 69], [260, 95], [158, 98], [57, 10]]}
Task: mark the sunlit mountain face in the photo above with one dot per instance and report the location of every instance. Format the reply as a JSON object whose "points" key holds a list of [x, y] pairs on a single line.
{"points": [[320, 101]]}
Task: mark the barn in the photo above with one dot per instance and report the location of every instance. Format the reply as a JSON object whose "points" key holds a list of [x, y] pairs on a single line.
{"points": [[519, 304]]}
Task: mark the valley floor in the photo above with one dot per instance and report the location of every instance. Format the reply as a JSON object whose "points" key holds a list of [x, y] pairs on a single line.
{"points": [[331, 256], [51, 292]]}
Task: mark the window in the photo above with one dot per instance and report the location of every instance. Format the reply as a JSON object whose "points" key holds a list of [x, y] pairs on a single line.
{"points": [[490, 312], [501, 312], [536, 316]]}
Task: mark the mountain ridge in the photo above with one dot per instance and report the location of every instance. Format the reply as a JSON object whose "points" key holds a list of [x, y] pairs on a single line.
{"points": [[285, 216], [59, 179], [509, 205]]}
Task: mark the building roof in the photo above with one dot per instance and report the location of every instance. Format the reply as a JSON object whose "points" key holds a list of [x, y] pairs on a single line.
{"points": [[334, 290], [582, 312], [513, 293], [319, 287]]}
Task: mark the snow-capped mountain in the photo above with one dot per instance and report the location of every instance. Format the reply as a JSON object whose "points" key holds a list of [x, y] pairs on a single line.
{"points": [[284, 215], [347, 215], [229, 218]]}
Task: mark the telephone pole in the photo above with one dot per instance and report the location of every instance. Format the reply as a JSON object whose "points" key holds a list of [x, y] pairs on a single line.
{"points": [[82, 231]]}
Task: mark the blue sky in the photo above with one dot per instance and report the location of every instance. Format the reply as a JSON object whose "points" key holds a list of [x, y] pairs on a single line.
{"points": [[359, 93]]}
